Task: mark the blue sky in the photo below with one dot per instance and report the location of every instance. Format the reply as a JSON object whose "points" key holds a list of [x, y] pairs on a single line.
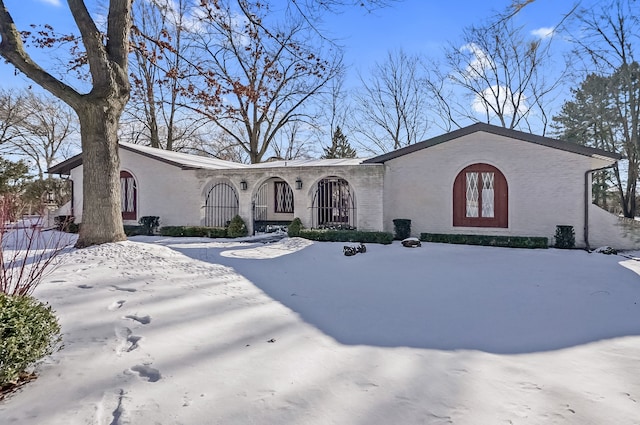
{"points": [[417, 26], [420, 26]]}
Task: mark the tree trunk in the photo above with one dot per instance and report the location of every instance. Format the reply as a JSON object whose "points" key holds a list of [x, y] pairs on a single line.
{"points": [[101, 210]]}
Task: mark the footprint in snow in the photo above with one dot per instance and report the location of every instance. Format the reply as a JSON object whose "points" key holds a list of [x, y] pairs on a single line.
{"points": [[144, 320], [116, 305], [120, 288], [151, 374], [133, 340], [129, 342]]}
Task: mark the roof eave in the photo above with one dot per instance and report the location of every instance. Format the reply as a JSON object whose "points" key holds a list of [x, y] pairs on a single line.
{"points": [[500, 131], [66, 166]]}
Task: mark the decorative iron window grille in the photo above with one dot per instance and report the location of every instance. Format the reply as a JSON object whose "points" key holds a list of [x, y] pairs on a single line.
{"points": [[283, 197]]}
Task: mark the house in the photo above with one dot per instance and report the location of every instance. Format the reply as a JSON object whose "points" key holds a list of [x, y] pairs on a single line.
{"points": [[480, 179]]}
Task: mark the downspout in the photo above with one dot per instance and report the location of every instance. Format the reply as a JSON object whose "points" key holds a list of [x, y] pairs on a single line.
{"points": [[68, 178], [587, 202]]}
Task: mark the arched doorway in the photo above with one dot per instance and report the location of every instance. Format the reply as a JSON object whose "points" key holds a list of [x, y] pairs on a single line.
{"points": [[221, 205], [273, 206], [334, 204]]}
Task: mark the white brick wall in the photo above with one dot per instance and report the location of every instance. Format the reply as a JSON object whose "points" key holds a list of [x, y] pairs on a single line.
{"points": [[606, 229], [163, 190], [546, 186]]}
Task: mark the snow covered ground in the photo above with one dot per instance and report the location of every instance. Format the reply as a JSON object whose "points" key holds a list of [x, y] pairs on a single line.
{"points": [[197, 331]]}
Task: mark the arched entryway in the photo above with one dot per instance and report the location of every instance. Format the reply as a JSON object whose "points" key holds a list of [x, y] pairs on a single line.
{"points": [[334, 204], [273, 205], [221, 205]]}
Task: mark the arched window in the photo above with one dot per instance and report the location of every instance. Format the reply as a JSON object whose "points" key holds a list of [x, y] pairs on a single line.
{"points": [[128, 196], [480, 197]]}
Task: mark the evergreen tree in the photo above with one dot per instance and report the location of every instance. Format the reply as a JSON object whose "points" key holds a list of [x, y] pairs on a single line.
{"points": [[605, 113], [340, 147], [13, 176]]}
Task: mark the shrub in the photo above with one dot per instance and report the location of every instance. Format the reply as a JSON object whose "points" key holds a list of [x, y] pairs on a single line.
{"points": [[565, 237], [150, 224], [402, 228], [346, 236], [193, 231], [27, 255], [73, 228], [487, 240], [295, 227], [64, 222], [29, 330], [237, 228]]}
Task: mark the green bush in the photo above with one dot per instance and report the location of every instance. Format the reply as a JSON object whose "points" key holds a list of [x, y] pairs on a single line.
{"points": [[134, 230], [193, 231], [237, 228], [63, 222], [150, 224], [565, 237], [402, 228], [502, 241], [29, 330], [295, 227], [346, 236]]}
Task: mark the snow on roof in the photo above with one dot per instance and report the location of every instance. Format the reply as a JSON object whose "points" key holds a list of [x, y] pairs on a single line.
{"points": [[309, 163], [187, 161], [182, 160], [190, 161]]}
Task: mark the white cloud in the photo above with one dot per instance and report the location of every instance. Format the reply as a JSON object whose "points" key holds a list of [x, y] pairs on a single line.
{"points": [[499, 98], [51, 2], [480, 60], [543, 32]]}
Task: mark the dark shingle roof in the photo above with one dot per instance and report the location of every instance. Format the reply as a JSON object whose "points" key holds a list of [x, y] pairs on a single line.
{"points": [[500, 131]]}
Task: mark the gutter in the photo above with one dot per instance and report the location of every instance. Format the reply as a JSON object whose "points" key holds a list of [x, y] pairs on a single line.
{"points": [[587, 202]]}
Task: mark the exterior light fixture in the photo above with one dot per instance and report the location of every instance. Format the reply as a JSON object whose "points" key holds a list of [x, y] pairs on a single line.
{"points": [[298, 183], [243, 184]]}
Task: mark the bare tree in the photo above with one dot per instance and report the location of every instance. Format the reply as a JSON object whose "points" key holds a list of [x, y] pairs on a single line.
{"points": [[98, 111], [11, 116], [293, 143], [160, 43], [256, 80], [503, 74], [392, 104], [45, 132], [334, 111]]}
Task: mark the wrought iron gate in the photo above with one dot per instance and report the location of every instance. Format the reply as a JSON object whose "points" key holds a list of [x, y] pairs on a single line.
{"points": [[221, 205], [260, 204], [333, 204]]}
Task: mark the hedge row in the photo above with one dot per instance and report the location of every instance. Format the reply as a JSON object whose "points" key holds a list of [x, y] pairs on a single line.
{"points": [[346, 236], [134, 230], [502, 241], [194, 231]]}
